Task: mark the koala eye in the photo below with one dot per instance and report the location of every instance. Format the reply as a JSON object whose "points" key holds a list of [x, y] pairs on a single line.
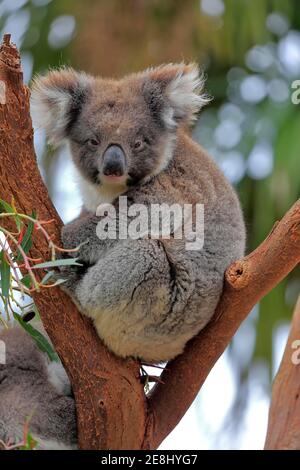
{"points": [[93, 142], [138, 144]]}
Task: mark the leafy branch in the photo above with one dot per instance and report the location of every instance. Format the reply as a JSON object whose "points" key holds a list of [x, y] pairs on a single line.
{"points": [[27, 443], [21, 275]]}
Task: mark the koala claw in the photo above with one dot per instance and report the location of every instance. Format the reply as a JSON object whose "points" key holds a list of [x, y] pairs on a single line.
{"points": [[69, 275]]}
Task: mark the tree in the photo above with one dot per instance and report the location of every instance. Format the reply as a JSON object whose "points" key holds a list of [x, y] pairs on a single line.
{"points": [[113, 410]]}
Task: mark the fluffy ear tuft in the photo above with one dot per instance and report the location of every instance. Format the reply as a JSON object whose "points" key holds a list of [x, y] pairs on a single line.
{"points": [[56, 101], [180, 87]]}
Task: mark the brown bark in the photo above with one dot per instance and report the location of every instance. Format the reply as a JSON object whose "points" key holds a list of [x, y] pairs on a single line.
{"points": [[111, 406], [284, 416], [109, 397]]}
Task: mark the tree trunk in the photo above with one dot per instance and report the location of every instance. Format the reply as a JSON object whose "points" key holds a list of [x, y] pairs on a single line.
{"points": [[284, 416], [111, 406]]}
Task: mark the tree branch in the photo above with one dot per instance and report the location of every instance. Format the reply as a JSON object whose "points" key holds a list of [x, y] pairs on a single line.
{"points": [[111, 408], [109, 395], [284, 416], [246, 282]]}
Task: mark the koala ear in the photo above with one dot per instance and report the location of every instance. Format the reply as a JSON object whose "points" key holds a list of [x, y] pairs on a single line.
{"points": [[174, 93], [56, 101]]}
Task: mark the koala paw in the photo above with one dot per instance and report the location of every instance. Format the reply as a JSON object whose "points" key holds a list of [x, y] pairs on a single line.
{"points": [[70, 275]]}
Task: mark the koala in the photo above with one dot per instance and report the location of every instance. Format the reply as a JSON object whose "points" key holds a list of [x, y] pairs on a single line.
{"points": [[147, 297], [33, 388]]}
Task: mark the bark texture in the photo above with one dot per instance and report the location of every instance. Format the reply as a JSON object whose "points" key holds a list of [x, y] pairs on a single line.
{"points": [[284, 416], [112, 410]]}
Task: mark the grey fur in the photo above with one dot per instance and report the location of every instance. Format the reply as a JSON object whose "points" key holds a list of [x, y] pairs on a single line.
{"points": [[147, 297], [32, 388]]}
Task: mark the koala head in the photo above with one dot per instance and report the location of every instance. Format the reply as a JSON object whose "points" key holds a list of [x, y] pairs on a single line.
{"points": [[120, 131]]}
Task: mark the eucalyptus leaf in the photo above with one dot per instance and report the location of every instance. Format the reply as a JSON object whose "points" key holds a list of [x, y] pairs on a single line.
{"points": [[58, 262], [26, 280], [26, 242], [5, 207], [47, 277], [5, 275], [8, 209]]}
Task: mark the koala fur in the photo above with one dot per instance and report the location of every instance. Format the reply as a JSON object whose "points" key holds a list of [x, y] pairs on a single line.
{"points": [[147, 297], [34, 389]]}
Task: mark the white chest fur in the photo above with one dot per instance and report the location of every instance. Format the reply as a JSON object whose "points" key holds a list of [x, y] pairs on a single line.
{"points": [[93, 195]]}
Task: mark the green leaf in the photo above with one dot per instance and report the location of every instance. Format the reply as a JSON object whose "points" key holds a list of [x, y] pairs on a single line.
{"points": [[52, 276], [59, 262], [40, 339], [5, 275], [8, 209], [37, 313], [26, 242], [26, 280], [59, 282], [5, 207], [47, 277], [30, 443]]}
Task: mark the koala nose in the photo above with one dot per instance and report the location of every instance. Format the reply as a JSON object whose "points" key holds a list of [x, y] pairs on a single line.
{"points": [[113, 161]]}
